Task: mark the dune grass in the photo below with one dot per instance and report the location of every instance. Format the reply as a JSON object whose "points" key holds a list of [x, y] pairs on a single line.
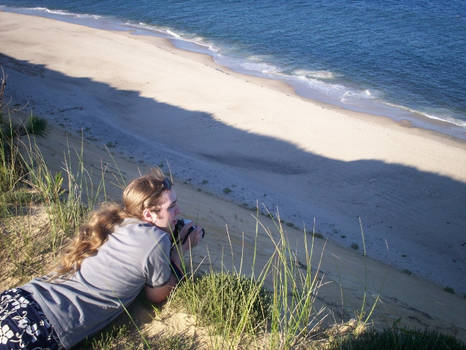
{"points": [[222, 300], [40, 208], [245, 313]]}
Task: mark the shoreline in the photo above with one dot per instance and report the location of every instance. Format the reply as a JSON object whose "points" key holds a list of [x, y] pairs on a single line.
{"points": [[230, 131], [380, 109], [283, 87]]}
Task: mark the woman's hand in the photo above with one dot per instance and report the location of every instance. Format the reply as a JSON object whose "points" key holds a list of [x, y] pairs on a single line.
{"points": [[190, 236]]}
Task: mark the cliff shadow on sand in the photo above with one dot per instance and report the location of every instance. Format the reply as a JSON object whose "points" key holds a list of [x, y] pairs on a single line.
{"points": [[419, 214]]}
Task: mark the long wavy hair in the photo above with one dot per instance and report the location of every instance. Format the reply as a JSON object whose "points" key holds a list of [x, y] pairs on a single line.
{"points": [[143, 192]]}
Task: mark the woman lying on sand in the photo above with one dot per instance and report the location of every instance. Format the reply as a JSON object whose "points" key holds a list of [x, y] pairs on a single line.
{"points": [[117, 253]]}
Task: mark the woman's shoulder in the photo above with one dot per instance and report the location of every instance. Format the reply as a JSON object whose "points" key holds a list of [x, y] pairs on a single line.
{"points": [[137, 227]]}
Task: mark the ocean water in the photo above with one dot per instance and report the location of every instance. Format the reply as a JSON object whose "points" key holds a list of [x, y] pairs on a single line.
{"points": [[401, 59]]}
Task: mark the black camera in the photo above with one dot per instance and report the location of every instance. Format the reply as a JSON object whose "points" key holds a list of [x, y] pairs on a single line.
{"points": [[179, 226]]}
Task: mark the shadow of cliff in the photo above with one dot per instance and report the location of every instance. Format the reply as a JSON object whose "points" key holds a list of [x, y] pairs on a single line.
{"points": [[432, 203]]}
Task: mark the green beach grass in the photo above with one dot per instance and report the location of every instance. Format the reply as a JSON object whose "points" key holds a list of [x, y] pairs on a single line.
{"points": [[40, 208]]}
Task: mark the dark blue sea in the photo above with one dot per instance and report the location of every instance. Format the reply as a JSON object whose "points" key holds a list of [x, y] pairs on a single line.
{"points": [[401, 59]]}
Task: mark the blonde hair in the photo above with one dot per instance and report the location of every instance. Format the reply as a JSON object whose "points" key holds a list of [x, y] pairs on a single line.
{"points": [[143, 192]]}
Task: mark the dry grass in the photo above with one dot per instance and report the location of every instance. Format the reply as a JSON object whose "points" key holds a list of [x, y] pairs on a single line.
{"points": [[25, 246]]}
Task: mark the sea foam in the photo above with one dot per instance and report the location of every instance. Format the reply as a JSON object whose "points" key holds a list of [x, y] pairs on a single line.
{"points": [[316, 74]]}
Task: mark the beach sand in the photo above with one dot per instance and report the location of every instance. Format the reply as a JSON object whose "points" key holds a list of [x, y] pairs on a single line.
{"points": [[246, 139]]}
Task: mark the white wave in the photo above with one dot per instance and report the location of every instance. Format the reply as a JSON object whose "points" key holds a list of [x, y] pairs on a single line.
{"points": [[54, 12], [146, 27], [88, 16], [315, 74], [332, 89], [256, 63], [439, 115], [173, 34], [142, 25], [165, 31], [201, 41], [259, 67], [62, 12], [447, 119], [355, 95], [35, 8], [213, 48], [258, 58]]}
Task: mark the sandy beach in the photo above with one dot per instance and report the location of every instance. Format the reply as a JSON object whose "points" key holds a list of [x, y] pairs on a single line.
{"points": [[233, 140]]}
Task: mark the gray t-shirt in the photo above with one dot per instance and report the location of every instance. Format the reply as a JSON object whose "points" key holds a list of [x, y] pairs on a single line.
{"points": [[135, 254]]}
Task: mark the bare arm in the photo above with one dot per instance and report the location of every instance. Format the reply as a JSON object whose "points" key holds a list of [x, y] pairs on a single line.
{"points": [[160, 294]]}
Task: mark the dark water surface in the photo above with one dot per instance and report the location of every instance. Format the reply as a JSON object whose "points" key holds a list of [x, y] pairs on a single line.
{"points": [[391, 58]]}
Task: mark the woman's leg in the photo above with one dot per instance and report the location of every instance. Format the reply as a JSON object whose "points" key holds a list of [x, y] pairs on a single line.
{"points": [[23, 325]]}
